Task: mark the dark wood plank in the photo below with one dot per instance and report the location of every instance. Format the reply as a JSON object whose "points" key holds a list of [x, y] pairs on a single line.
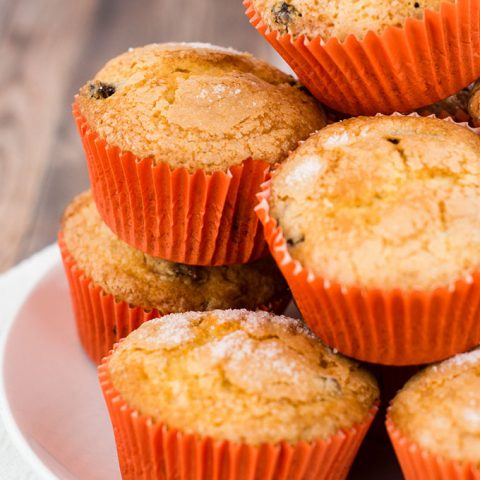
{"points": [[115, 26]]}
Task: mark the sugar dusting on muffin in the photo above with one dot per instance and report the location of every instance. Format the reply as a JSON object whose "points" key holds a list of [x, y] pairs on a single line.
{"points": [[463, 359], [241, 376]]}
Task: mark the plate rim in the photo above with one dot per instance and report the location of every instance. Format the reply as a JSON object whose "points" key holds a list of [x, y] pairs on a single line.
{"points": [[6, 415]]}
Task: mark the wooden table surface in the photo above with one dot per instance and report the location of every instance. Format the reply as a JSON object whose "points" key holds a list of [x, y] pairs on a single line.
{"points": [[48, 49]]}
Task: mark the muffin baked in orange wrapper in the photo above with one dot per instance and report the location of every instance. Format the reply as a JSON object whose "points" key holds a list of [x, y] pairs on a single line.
{"points": [[398, 326], [170, 454], [400, 69], [433, 421], [151, 449], [177, 178]]}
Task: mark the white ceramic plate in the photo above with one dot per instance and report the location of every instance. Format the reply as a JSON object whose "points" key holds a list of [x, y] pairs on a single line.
{"points": [[53, 408]]}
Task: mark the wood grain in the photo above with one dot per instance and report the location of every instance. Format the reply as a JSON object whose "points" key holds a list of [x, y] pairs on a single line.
{"points": [[39, 42], [49, 48]]}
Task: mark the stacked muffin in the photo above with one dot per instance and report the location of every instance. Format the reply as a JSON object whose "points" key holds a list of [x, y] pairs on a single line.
{"points": [[374, 223], [177, 176], [367, 57]]}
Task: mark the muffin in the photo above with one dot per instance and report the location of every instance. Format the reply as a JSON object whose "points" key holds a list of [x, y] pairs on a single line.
{"points": [[434, 421], [456, 107], [178, 139], [115, 287], [474, 104], [254, 392], [357, 56], [375, 223]]}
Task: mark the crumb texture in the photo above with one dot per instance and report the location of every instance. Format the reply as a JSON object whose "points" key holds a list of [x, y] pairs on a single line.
{"points": [[197, 106], [340, 18], [383, 202], [439, 408], [242, 376], [149, 282]]}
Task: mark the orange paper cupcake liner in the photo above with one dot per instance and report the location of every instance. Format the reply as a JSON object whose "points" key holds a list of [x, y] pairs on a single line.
{"points": [[418, 464], [151, 450], [102, 320], [400, 70], [191, 218], [394, 327]]}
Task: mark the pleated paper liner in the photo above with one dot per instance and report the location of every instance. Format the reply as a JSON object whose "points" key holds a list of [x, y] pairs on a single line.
{"points": [[102, 320], [401, 70], [396, 327], [418, 464], [193, 218], [150, 450]]}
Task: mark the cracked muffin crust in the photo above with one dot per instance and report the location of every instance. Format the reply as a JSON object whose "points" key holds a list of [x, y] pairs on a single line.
{"points": [[383, 202], [439, 408], [141, 280], [326, 19], [198, 106], [240, 376]]}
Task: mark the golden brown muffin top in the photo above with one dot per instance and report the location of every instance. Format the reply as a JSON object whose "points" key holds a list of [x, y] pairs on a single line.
{"points": [[341, 18], [388, 202], [439, 408], [198, 107], [149, 282], [241, 376]]}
